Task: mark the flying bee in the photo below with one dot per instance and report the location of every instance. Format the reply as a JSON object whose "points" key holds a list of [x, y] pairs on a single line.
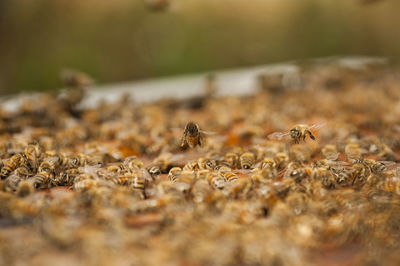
{"points": [[205, 163], [174, 173], [11, 164], [247, 160], [231, 160], [298, 132], [193, 136], [133, 163]]}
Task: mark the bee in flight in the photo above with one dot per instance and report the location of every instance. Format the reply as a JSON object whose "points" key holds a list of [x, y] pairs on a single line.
{"points": [[298, 132], [193, 136]]}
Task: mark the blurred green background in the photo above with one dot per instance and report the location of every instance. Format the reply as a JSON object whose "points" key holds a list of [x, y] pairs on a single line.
{"points": [[123, 40]]}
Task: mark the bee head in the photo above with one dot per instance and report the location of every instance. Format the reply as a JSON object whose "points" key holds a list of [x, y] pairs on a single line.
{"points": [[192, 128], [294, 133]]}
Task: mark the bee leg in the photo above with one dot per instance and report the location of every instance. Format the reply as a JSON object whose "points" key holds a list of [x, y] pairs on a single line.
{"points": [[310, 134]]}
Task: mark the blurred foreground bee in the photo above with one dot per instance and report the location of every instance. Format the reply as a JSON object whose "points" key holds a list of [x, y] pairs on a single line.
{"points": [[298, 132], [193, 136]]}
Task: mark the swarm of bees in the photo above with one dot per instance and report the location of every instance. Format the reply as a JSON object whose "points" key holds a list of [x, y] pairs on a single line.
{"points": [[271, 185]]}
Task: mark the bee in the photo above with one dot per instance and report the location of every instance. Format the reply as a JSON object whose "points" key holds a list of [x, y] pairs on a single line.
{"points": [[24, 189], [377, 167], [229, 176], [193, 136], [133, 163], [296, 171], [298, 132], [117, 168], [247, 160], [162, 163], [281, 159], [231, 160], [139, 184], [356, 175], [43, 179], [23, 171], [205, 163], [12, 182], [67, 177], [327, 178], [49, 164], [78, 161], [216, 181], [11, 164], [174, 173], [32, 154], [191, 166], [267, 163]]}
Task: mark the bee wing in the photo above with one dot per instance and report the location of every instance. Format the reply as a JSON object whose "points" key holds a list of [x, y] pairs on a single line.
{"points": [[333, 156], [317, 126], [387, 163], [207, 132], [278, 135], [146, 175]]}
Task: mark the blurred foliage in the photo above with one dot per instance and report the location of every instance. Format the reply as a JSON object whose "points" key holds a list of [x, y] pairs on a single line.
{"points": [[123, 40]]}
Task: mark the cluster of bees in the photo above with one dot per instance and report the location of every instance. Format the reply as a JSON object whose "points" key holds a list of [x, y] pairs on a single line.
{"points": [[306, 173]]}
